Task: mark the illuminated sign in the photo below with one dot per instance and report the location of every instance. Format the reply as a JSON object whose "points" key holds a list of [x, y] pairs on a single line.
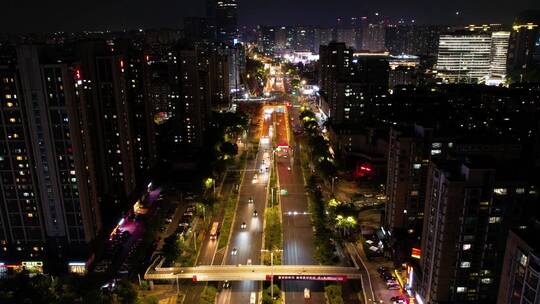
{"points": [[77, 267], [308, 278], [416, 252], [32, 264]]}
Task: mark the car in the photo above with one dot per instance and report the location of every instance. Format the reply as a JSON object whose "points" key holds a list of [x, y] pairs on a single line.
{"points": [[188, 213], [255, 213], [393, 287], [255, 179], [250, 200], [226, 284], [248, 262], [168, 220], [397, 299], [382, 269], [307, 293], [234, 251], [243, 225]]}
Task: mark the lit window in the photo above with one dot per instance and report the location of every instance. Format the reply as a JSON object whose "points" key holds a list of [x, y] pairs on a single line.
{"points": [[466, 246], [520, 190], [417, 166], [486, 280], [436, 151], [465, 264], [495, 219], [500, 191], [523, 259], [461, 289]]}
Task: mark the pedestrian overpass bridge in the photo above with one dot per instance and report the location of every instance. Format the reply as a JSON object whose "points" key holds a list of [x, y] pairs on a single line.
{"points": [[253, 273]]}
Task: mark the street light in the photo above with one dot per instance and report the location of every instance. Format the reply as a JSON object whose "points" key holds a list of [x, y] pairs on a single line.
{"points": [[271, 269]]}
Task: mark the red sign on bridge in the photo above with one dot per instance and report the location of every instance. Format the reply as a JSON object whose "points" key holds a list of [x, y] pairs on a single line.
{"points": [[307, 277]]}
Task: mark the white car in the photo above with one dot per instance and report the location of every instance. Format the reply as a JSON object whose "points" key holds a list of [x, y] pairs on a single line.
{"points": [[234, 251], [243, 225], [307, 293], [249, 262]]}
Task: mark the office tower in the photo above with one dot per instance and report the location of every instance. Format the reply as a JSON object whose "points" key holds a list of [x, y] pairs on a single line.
{"points": [[223, 15], [469, 208], [520, 282], [464, 57], [498, 57], [198, 28], [472, 57], [50, 206], [373, 37]]}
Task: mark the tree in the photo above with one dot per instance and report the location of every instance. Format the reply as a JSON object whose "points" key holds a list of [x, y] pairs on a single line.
{"points": [[334, 294], [125, 292], [171, 248], [345, 223], [229, 149], [267, 294]]}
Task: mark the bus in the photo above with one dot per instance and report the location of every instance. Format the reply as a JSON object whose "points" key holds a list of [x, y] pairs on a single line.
{"points": [[253, 298], [214, 231]]}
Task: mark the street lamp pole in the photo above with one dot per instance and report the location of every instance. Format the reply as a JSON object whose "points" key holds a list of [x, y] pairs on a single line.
{"points": [[272, 275]]}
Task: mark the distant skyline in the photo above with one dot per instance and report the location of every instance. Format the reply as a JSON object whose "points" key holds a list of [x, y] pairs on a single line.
{"points": [[62, 15]]}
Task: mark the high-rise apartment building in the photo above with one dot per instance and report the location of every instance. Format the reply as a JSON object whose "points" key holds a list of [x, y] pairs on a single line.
{"points": [[51, 208], [304, 39], [470, 206], [198, 28], [322, 36], [349, 85], [523, 40], [374, 37], [266, 39], [520, 277], [224, 17]]}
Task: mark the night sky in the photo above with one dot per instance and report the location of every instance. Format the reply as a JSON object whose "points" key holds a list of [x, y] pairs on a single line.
{"points": [[74, 15]]}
